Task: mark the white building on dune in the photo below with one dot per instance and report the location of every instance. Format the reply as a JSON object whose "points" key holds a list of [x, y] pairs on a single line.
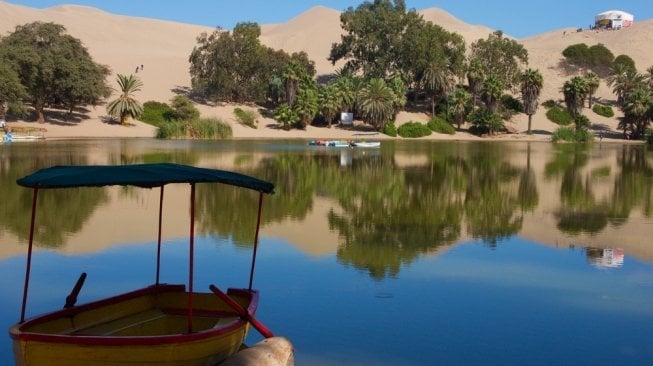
{"points": [[613, 19]]}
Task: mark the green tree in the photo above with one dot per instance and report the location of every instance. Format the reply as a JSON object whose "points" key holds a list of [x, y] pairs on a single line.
{"points": [[11, 90], [575, 91], [638, 110], [593, 82], [426, 46], [376, 102], [475, 78], [233, 66], [649, 77], [346, 91], [184, 110], [292, 76], [624, 80], [501, 57], [373, 35], [285, 116], [399, 89], [491, 93], [485, 121], [126, 104], [329, 102], [306, 106], [53, 66], [531, 86], [458, 103], [437, 80]]}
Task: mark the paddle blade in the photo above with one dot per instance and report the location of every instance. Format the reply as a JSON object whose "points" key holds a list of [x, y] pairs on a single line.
{"points": [[244, 314]]}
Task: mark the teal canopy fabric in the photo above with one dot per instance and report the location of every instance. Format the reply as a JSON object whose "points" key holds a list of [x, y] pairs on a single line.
{"points": [[140, 175]]}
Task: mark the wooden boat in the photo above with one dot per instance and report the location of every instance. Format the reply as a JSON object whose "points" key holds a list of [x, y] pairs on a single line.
{"points": [[368, 144], [163, 324]]}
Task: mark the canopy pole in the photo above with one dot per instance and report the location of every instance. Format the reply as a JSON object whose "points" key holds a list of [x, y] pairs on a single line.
{"points": [[192, 249], [158, 248], [258, 225], [29, 255]]}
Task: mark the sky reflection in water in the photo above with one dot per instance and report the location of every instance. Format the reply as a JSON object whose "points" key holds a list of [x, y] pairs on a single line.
{"points": [[516, 303], [413, 254]]}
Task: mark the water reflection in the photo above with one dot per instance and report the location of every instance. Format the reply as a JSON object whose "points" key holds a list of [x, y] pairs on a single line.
{"points": [[605, 258], [389, 206]]}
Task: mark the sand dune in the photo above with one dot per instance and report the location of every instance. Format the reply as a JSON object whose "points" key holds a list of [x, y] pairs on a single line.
{"points": [[163, 47]]}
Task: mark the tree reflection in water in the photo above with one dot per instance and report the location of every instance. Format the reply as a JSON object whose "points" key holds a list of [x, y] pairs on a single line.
{"points": [[388, 213]]}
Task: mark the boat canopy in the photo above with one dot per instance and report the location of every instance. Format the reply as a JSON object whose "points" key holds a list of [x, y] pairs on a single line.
{"points": [[140, 175]]}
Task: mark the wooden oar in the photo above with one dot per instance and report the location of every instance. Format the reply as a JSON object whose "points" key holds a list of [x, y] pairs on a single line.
{"points": [[72, 298], [244, 314]]}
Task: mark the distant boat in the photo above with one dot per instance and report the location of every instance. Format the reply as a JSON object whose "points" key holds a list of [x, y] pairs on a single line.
{"points": [[10, 137], [330, 143], [368, 144], [162, 324]]}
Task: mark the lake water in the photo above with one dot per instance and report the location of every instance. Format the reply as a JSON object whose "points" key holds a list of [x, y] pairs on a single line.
{"points": [[417, 253]]}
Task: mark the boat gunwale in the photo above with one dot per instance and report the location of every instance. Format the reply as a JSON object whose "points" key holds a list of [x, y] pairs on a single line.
{"points": [[17, 334]]}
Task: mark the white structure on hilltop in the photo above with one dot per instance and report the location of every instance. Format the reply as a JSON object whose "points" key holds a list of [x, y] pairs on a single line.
{"points": [[613, 19]]}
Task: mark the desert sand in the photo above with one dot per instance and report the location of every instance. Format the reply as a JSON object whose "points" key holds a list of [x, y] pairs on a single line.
{"points": [[163, 47]]}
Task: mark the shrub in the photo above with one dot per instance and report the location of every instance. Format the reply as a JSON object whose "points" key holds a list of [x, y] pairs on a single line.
{"points": [[440, 125], [155, 113], [184, 109], [582, 122], [511, 103], [603, 110], [200, 129], [559, 116], [484, 121], [171, 129], [246, 117], [413, 130], [597, 57], [563, 134], [570, 134], [550, 104], [389, 129], [625, 60]]}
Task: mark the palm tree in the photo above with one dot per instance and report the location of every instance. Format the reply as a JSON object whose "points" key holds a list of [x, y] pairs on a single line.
{"points": [[329, 102], [491, 92], [285, 116], [306, 106], [346, 93], [126, 105], [649, 76], [399, 89], [624, 80], [438, 80], [593, 82], [275, 89], [376, 102], [292, 76], [475, 77], [531, 86], [458, 102], [575, 91], [637, 112]]}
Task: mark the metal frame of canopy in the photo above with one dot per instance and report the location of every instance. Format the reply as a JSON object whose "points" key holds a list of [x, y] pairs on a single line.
{"points": [[144, 176]]}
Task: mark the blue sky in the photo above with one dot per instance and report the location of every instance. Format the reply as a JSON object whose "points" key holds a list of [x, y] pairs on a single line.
{"points": [[518, 18]]}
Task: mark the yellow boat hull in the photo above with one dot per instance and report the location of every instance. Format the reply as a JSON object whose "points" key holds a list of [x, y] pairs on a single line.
{"points": [[148, 326]]}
